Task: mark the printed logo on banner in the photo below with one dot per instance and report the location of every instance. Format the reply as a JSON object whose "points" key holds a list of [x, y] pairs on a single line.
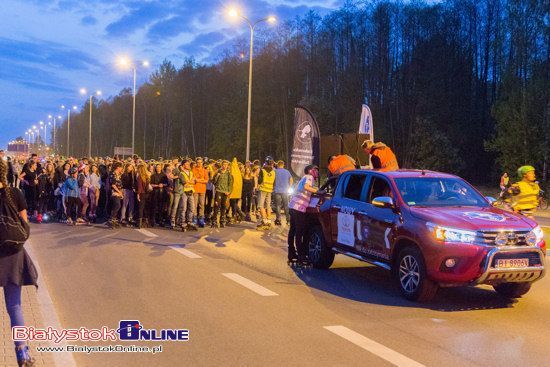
{"points": [[346, 224], [304, 132]]}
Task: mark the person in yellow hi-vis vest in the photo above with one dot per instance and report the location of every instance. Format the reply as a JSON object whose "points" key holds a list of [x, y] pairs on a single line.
{"points": [[266, 182], [525, 193]]}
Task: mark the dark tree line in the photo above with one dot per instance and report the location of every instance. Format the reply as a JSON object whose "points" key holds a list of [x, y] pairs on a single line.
{"points": [[461, 86]]}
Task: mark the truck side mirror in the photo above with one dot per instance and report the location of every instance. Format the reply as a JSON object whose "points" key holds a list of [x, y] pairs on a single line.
{"points": [[383, 202]]}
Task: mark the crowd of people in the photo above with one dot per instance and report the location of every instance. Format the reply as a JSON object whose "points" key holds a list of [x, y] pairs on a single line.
{"points": [[184, 194]]}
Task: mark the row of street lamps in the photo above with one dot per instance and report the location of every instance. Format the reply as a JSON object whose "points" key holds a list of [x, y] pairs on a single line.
{"points": [[127, 63]]}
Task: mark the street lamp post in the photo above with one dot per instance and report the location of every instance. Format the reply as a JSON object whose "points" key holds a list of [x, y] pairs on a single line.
{"points": [[98, 93], [271, 19], [54, 129], [68, 128], [125, 62]]}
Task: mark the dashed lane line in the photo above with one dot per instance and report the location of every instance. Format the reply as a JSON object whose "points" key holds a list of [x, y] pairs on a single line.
{"points": [[247, 283], [375, 348], [186, 252], [147, 233]]}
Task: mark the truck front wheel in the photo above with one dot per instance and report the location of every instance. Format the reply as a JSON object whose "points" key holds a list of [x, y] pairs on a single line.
{"points": [[320, 255], [512, 290], [411, 276]]}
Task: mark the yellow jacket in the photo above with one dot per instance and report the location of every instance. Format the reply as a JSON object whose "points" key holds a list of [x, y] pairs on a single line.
{"points": [[528, 197], [237, 191]]}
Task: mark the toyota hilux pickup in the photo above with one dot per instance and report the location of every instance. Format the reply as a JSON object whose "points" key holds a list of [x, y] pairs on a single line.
{"points": [[429, 229]]}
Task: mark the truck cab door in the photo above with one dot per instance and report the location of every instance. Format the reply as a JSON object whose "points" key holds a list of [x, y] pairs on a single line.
{"points": [[350, 201], [379, 224]]}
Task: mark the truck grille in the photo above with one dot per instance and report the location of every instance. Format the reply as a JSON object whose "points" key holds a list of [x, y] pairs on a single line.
{"points": [[514, 238], [534, 258]]}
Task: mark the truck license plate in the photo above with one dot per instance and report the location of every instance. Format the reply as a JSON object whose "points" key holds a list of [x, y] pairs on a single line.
{"points": [[512, 263]]}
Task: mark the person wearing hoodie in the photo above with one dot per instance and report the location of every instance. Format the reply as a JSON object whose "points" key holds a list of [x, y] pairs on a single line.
{"points": [[223, 184], [236, 194], [382, 157], [71, 192], [266, 182]]}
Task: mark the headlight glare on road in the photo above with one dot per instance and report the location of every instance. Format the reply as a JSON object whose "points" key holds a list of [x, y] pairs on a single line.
{"points": [[535, 236], [448, 234]]}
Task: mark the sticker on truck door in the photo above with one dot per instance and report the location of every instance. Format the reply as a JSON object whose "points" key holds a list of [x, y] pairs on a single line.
{"points": [[346, 224]]}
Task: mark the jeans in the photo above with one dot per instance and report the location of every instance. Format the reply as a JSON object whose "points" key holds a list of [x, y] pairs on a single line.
{"points": [[220, 207], [73, 205], [127, 205], [199, 204], [281, 199], [84, 203], [12, 295], [143, 206], [115, 206], [246, 203], [176, 204], [209, 199], [94, 195], [187, 208]]}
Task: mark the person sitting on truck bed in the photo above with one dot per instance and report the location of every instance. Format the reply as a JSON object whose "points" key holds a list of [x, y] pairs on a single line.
{"points": [[382, 157], [338, 164]]}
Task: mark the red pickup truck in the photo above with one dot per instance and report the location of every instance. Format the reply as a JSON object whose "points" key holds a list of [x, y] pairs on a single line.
{"points": [[429, 229]]}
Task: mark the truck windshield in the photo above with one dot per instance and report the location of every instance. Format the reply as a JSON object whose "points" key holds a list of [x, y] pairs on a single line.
{"points": [[431, 191]]}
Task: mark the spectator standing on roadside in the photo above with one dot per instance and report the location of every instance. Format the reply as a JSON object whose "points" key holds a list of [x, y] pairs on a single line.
{"points": [[283, 183], [16, 269]]}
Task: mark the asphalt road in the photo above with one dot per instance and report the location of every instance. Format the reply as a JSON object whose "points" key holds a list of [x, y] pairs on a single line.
{"points": [[350, 315]]}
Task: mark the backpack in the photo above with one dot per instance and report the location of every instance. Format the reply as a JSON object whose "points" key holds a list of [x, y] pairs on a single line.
{"points": [[14, 231]]}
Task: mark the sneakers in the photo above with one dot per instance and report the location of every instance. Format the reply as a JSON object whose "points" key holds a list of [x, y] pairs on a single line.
{"points": [[201, 222], [191, 227], [39, 218], [69, 222], [23, 357]]}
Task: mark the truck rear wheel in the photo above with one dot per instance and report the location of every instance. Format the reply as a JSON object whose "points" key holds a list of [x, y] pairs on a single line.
{"points": [[320, 255], [512, 290], [412, 278]]}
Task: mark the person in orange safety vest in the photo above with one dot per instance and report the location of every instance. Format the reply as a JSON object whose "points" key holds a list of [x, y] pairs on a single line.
{"points": [[338, 164], [382, 157]]}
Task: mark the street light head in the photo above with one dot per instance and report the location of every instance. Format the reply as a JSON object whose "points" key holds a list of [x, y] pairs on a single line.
{"points": [[41, 122], [83, 91], [146, 64], [124, 61], [62, 106], [98, 93], [74, 108], [49, 116], [58, 116], [233, 13], [34, 127], [271, 19]]}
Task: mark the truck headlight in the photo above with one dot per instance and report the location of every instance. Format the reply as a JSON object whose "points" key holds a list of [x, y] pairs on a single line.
{"points": [[290, 191], [448, 234], [535, 236]]}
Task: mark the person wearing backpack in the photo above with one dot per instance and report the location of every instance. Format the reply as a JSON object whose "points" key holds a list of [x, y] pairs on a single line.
{"points": [[16, 266]]}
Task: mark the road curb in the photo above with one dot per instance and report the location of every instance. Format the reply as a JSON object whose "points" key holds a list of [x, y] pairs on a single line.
{"points": [[48, 311]]}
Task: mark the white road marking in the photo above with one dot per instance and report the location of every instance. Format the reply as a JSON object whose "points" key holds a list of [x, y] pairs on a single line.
{"points": [[47, 309], [375, 348], [186, 252], [147, 233], [247, 283]]}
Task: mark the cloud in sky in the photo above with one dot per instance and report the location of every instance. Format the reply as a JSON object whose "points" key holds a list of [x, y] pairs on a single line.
{"points": [[62, 45]]}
